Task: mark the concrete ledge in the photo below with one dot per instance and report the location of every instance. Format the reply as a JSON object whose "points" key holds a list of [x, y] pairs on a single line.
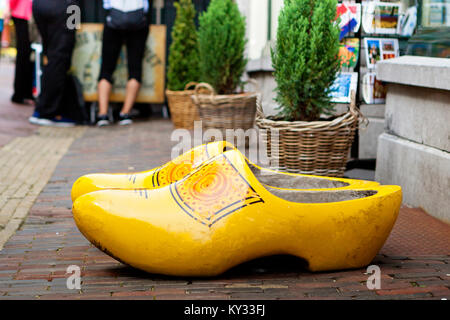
{"points": [[373, 110], [368, 138], [423, 173], [267, 85], [263, 64], [416, 71], [421, 115], [340, 108]]}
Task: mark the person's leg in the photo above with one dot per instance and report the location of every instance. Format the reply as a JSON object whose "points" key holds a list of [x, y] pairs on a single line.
{"points": [[42, 25], [111, 47], [132, 91], [23, 82], [58, 45], [104, 92], [136, 43], [55, 72]]}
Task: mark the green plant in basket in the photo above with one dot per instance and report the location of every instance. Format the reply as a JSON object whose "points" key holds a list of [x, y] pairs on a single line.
{"points": [[222, 45], [305, 58], [183, 56]]}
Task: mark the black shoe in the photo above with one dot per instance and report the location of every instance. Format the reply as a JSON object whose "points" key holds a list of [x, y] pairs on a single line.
{"points": [[21, 100], [125, 119], [103, 121]]}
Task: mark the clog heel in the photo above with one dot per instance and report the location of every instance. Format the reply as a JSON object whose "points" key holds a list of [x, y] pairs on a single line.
{"points": [[292, 181], [221, 215]]}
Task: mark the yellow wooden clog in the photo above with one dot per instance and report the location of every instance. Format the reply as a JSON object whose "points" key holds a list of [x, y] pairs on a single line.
{"points": [[180, 167], [220, 216]]}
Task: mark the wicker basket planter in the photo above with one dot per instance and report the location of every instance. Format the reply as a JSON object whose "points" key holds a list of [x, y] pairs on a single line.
{"points": [[317, 148], [222, 112], [182, 110]]}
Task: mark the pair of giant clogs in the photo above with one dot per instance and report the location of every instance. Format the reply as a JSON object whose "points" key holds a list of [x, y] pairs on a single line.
{"points": [[211, 209]]}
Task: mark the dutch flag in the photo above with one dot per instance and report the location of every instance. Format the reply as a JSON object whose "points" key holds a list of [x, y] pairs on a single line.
{"points": [[350, 15]]}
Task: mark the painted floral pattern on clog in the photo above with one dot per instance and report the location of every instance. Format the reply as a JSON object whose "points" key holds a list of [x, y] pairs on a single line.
{"points": [[213, 192], [180, 167]]}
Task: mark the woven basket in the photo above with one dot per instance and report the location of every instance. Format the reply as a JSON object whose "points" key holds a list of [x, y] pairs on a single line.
{"points": [[222, 112], [182, 110], [316, 148]]}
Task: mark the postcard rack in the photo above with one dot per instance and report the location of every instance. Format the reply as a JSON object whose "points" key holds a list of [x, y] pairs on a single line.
{"points": [[364, 42]]}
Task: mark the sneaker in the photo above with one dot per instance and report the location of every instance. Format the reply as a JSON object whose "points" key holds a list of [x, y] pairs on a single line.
{"points": [[37, 120], [60, 121], [34, 118], [103, 121], [125, 119]]}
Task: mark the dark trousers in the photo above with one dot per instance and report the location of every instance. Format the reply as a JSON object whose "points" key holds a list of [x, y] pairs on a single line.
{"points": [[58, 44], [113, 40], [23, 81]]}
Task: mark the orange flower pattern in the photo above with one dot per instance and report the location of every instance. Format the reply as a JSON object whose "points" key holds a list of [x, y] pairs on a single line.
{"points": [[180, 167], [214, 191]]}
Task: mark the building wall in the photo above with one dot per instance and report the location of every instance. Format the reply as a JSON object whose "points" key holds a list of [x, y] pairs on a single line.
{"points": [[257, 18], [414, 150]]}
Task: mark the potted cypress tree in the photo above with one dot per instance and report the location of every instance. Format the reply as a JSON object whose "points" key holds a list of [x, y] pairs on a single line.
{"points": [[306, 64], [183, 71], [222, 64]]}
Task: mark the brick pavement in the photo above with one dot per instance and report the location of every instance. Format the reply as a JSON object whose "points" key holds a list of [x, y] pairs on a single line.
{"points": [[26, 165], [415, 262], [13, 117]]}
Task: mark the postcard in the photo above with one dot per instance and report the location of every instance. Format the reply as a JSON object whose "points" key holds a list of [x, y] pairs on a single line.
{"points": [[345, 83], [350, 17], [373, 90], [349, 52], [381, 17], [378, 49]]}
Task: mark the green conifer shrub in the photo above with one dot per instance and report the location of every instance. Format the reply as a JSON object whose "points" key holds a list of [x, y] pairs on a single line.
{"points": [[222, 45], [183, 57], [305, 58]]}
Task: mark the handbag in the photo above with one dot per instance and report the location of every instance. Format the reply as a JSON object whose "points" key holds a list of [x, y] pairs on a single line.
{"points": [[127, 15]]}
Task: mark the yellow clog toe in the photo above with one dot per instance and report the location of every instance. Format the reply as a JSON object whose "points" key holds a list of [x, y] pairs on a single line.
{"points": [[221, 215], [95, 182], [155, 178]]}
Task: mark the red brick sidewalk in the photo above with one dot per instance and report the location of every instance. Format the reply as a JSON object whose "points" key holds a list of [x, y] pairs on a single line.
{"points": [[415, 262]]}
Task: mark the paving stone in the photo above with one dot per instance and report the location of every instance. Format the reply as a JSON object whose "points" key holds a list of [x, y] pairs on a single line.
{"points": [[414, 296], [418, 275], [320, 292], [413, 290]]}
